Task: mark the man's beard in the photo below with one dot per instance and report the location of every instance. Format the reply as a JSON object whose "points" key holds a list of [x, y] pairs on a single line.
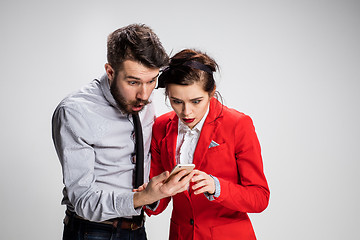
{"points": [[125, 106]]}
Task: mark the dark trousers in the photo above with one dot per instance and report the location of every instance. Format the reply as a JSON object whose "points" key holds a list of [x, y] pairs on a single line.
{"points": [[78, 229]]}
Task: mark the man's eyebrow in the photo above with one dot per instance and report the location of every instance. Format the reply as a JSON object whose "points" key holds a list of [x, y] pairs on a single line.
{"points": [[138, 79], [157, 75], [132, 77]]}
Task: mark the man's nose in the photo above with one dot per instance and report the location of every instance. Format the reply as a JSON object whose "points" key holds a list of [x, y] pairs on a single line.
{"points": [[144, 92]]}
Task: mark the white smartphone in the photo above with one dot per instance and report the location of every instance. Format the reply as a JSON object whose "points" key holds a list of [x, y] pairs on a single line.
{"points": [[180, 167]]}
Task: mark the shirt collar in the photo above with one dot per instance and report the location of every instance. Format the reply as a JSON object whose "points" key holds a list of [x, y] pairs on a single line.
{"points": [[105, 88], [197, 128]]}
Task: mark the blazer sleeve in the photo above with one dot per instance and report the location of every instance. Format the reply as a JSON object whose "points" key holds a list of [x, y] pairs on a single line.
{"points": [[156, 169], [251, 193]]}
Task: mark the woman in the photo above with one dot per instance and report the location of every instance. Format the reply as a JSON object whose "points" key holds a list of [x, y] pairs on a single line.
{"points": [[228, 179]]}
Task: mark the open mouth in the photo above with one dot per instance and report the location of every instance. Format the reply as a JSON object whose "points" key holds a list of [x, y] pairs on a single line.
{"points": [[137, 108]]}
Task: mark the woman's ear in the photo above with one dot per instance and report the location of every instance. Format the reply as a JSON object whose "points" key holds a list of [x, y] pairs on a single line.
{"points": [[212, 93]]}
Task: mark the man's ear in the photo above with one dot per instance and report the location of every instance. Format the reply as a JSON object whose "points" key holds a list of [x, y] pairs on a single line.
{"points": [[110, 72]]}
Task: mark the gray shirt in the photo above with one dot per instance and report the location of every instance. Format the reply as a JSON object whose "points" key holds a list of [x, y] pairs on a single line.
{"points": [[95, 144]]}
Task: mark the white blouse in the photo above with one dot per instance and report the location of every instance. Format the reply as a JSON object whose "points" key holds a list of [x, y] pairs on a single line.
{"points": [[187, 140]]}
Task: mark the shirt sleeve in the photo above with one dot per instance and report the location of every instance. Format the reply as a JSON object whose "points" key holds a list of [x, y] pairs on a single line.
{"points": [[77, 157]]}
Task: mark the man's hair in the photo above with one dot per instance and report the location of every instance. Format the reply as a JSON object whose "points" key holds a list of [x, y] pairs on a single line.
{"points": [[135, 42]]}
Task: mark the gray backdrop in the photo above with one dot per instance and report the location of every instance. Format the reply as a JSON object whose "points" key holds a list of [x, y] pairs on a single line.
{"points": [[293, 66]]}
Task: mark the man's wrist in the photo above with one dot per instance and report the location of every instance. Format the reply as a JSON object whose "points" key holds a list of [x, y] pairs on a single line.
{"points": [[139, 199], [142, 198]]}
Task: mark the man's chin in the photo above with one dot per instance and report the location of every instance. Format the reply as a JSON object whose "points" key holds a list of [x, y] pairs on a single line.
{"points": [[131, 108]]}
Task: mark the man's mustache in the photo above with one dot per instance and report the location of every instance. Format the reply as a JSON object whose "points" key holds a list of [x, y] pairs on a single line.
{"points": [[140, 101]]}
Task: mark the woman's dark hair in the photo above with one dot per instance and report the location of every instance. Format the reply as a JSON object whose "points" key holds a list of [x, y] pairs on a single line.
{"points": [[189, 66], [135, 42]]}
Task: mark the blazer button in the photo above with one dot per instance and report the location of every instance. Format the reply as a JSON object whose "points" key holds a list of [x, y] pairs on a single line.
{"points": [[191, 221]]}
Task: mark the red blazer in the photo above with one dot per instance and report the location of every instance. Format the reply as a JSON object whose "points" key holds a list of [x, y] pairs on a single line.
{"points": [[236, 162]]}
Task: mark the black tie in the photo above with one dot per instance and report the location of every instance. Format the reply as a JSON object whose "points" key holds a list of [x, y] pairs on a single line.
{"points": [[139, 164], [139, 149]]}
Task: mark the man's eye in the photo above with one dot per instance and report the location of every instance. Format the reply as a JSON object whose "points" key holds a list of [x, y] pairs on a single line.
{"points": [[132, 82], [196, 101], [152, 81]]}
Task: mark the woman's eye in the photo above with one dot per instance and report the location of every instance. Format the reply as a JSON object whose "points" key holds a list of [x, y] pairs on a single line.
{"points": [[176, 101]]}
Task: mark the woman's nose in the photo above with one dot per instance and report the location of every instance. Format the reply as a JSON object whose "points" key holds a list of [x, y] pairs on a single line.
{"points": [[186, 110]]}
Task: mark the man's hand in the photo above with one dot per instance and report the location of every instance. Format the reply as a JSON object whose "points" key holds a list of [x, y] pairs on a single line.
{"points": [[141, 188], [157, 189], [203, 183]]}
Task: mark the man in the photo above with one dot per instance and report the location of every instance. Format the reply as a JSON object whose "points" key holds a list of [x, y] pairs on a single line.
{"points": [[94, 136]]}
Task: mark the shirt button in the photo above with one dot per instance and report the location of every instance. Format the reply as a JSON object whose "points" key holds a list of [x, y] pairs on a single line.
{"points": [[191, 221]]}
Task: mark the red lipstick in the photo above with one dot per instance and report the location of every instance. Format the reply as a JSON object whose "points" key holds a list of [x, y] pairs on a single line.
{"points": [[188, 120]]}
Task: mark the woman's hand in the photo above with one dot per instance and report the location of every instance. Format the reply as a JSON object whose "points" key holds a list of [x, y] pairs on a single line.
{"points": [[202, 183]]}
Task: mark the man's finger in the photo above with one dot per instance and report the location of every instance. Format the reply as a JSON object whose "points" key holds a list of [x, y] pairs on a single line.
{"points": [[161, 177], [176, 177]]}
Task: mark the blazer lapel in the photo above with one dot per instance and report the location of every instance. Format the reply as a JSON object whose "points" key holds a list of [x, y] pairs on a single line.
{"points": [[170, 139], [208, 131]]}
